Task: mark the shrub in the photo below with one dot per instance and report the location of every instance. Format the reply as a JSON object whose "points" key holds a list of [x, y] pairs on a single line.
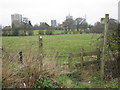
{"points": [[30, 32], [66, 32], [70, 32], [74, 32], [15, 33], [7, 33], [22, 33], [45, 83], [41, 32], [4, 33], [49, 32]]}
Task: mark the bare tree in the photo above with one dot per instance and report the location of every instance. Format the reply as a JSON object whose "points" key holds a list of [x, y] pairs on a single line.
{"points": [[79, 22]]}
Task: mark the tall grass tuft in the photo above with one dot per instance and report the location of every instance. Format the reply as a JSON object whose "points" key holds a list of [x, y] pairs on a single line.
{"points": [[24, 75]]}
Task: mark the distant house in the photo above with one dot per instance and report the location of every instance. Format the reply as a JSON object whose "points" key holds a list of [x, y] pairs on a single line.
{"points": [[7, 28]]}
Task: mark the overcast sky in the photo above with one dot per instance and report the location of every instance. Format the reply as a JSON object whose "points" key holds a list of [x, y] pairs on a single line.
{"points": [[45, 10]]}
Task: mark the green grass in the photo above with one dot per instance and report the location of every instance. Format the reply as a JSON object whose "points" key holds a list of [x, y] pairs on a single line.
{"points": [[95, 82], [67, 82], [54, 31], [64, 44]]}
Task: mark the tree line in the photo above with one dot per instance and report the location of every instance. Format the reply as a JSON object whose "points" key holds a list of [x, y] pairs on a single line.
{"points": [[79, 25]]}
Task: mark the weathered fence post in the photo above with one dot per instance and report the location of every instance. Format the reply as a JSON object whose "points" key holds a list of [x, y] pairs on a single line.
{"points": [[98, 54], [98, 58], [69, 61], [81, 55], [40, 53], [21, 57], [57, 59], [106, 21]]}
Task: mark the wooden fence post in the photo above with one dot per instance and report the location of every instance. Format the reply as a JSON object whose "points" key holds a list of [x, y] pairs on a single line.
{"points": [[106, 21], [40, 53], [98, 58], [98, 54], [69, 61], [81, 55], [21, 57], [57, 65]]}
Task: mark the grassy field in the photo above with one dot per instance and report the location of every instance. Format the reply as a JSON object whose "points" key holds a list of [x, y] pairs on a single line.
{"points": [[64, 44], [54, 31]]}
